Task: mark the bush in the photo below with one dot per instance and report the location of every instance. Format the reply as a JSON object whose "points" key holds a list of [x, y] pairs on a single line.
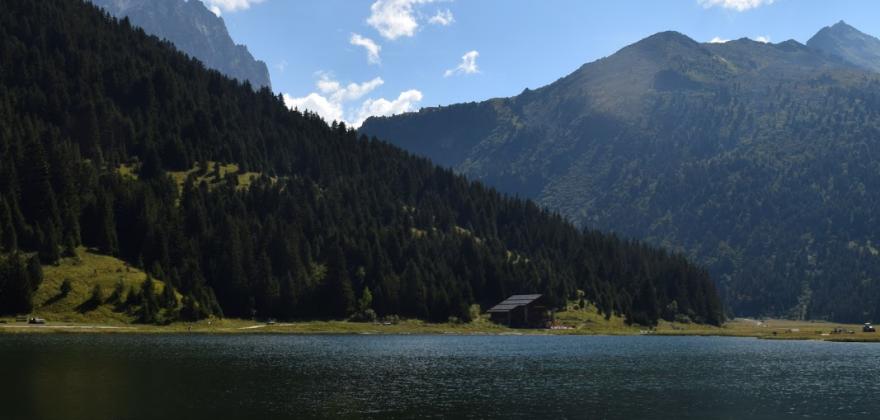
{"points": [[66, 287], [682, 319], [368, 315], [475, 311]]}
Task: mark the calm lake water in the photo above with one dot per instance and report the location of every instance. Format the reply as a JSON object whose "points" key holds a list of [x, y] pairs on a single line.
{"points": [[351, 377]]}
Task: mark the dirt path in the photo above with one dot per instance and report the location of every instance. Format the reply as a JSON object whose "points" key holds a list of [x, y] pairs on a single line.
{"points": [[252, 327]]}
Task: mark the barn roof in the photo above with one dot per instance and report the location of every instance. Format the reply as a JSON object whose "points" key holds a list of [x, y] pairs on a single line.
{"points": [[514, 302]]}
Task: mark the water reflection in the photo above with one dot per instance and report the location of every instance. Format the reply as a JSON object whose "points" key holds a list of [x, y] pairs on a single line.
{"points": [[297, 377]]}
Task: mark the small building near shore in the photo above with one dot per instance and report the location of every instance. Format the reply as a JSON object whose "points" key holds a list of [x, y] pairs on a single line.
{"points": [[522, 311]]}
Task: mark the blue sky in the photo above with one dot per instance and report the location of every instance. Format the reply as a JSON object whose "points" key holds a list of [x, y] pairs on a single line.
{"points": [[347, 59]]}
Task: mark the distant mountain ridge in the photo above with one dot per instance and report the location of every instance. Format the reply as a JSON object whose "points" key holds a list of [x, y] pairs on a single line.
{"points": [[844, 41], [754, 158], [195, 30]]}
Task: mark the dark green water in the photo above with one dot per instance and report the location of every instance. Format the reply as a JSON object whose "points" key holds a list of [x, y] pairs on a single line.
{"points": [[301, 377]]}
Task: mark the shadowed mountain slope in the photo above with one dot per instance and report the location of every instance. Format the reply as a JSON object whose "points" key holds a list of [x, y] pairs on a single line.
{"points": [[195, 30], [756, 159]]}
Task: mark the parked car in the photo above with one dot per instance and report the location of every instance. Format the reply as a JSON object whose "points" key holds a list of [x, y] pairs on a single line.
{"points": [[38, 321], [868, 328]]}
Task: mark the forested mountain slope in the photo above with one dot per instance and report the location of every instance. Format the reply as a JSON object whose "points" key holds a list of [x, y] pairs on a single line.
{"points": [[758, 160], [94, 113], [195, 30]]}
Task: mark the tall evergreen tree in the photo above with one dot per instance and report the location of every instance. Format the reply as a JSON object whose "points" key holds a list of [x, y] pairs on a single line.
{"points": [[340, 292]]}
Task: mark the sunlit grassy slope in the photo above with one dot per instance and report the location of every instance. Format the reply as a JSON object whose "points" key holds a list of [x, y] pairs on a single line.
{"points": [[85, 271], [214, 175]]}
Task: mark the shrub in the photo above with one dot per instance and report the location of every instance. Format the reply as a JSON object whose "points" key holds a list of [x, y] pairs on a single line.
{"points": [[475, 311], [97, 296], [66, 287], [368, 315]]}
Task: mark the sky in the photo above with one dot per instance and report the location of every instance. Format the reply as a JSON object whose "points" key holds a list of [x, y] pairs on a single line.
{"points": [[349, 59]]}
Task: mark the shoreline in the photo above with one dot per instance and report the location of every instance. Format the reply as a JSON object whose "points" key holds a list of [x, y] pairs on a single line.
{"points": [[769, 329]]}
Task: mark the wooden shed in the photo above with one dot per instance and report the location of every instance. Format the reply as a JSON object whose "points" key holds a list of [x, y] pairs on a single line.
{"points": [[522, 311]]}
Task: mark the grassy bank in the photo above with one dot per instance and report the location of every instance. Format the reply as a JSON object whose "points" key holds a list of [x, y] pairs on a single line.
{"points": [[66, 314], [769, 329]]}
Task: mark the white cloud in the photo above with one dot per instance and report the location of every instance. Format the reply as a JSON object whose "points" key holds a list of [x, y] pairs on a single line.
{"points": [[442, 18], [351, 92], [217, 6], [468, 65], [405, 102], [738, 5], [372, 48], [719, 40], [316, 103], [281, 66], [332, 101], [396, 18]]}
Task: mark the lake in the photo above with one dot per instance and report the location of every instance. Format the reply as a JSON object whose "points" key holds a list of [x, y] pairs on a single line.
{"points": [[81, 376]]}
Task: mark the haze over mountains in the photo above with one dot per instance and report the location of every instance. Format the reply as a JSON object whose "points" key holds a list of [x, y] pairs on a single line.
{"points": [[757, 159], [195, 30]]}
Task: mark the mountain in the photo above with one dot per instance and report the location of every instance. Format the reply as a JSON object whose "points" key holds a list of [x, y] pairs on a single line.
{"points": [[195, 30], [755, 159], [848, 43], [114, 140]]}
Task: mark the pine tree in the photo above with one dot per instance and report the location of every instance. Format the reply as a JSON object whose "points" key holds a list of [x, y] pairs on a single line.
{"points": [[49, 247], [65, 288], [366, 301], [35, 272], [87, 133], [132, 298], [268, 290], [149, 303], [118, 290], [8, 238], [189, 310], [152, 166], [414, 295], [97, 296], [169, 298], [340, 290], [108, 242], [38, 197], [16, 289]]}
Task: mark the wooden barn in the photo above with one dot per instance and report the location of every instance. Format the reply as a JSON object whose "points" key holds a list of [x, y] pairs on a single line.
{"points": [[522, 311]]}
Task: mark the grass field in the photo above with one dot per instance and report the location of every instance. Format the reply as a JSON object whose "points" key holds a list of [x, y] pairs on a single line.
{"points": [[211, 177], [84, 272], [785, 330]]}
